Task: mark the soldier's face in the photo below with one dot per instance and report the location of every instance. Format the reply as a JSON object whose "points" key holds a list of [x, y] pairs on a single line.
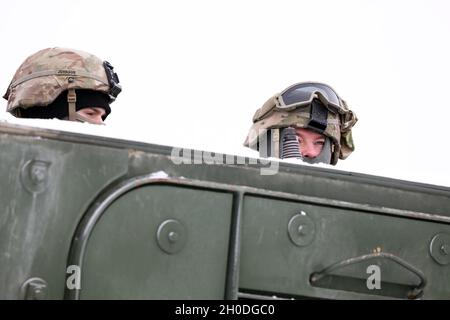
{"points": [[94, 114], [311, 142]]}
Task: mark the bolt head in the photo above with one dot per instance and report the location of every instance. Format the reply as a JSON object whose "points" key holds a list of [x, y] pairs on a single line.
{"points": [[302, 230], [173, 236]]}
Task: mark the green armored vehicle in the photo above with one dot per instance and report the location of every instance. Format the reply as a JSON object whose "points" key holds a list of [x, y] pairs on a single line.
{"points": [[86, 217], [90, 217]]}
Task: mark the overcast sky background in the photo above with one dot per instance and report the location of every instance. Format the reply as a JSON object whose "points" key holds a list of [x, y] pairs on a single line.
{"points": [[194, 72]]}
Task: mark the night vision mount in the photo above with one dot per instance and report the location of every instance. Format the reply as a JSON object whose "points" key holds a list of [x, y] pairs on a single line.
{"points": [[114, 87]]}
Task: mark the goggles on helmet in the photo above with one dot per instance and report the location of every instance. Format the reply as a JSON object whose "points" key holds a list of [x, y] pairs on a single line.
{"points": [[302, 94], [308, 94]]}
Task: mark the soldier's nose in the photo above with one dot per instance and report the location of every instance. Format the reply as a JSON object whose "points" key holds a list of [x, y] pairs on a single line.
{"points": [[308, 151], [98, 119]]}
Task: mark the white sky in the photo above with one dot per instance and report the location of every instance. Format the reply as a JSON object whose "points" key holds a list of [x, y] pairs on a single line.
{"points": [[194, 72]]}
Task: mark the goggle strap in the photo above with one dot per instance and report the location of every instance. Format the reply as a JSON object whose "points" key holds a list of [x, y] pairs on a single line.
{"points": [[271, 104]]}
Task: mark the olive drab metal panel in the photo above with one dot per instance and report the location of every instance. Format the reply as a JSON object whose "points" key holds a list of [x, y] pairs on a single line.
{"points": [[159, 242], [84, 217], [45, 188], [302, 239]]}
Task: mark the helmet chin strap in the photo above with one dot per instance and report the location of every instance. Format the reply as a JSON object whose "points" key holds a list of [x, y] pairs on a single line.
{"points": [[71, 101], [73, 115]]}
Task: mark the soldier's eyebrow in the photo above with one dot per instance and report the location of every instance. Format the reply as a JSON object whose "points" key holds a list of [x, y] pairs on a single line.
{"points": [[300, 135]]}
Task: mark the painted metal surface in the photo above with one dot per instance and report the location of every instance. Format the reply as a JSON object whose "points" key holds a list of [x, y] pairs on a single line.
{"points": [[207, 231]]}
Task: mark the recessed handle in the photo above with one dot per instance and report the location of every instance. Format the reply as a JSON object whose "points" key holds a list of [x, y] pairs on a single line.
{"points": [[412, 294]]}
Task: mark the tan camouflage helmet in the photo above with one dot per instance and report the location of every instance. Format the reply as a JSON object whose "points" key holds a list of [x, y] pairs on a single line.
{"points": [[293, 108], [43, 76]]}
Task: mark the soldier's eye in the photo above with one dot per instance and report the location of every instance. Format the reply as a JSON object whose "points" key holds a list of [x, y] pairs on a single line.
{"points": [[320, 142]]}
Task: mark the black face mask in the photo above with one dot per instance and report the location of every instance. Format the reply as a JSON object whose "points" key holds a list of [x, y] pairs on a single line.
{"points": [[59, 108]]}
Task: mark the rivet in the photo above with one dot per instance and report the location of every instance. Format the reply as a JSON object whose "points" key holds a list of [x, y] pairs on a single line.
{"points": [[301, 229], [34, 175], [173, 236], [440, 248]]}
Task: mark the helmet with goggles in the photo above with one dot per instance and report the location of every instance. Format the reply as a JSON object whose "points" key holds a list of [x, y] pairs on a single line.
{"points": [[309, 105], [51, 72]]}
